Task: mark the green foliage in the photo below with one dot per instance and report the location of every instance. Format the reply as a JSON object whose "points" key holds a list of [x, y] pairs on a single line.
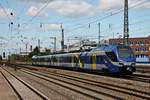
{"points": [[47, 52], [27, 58], [36, 51], [17, 57]]}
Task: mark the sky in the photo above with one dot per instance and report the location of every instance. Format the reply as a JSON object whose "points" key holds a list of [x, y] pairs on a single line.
{"points": [[25, 21]]}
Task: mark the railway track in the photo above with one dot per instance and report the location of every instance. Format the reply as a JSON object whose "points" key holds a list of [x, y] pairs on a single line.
{"points": [[48, 88], [138, 77], [128, 92], [23, 90], [96, 86], [143, 69], [134, 77], [91, 93]]}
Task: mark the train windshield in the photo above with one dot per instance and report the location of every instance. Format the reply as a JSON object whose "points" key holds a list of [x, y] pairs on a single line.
{"points": [[125, 52]]}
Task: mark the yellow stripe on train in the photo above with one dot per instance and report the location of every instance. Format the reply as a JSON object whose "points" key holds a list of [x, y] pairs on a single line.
{"points": [[94, 61]]}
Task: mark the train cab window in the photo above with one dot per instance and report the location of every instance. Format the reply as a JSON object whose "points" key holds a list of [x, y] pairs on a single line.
{"points": [[112, 56]]}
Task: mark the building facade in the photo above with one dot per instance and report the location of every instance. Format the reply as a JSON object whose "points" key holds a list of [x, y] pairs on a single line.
{"points": [[140, 46]]}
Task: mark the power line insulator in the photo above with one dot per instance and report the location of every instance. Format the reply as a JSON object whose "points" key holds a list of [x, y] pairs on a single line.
{"points": [[11, 14], [18, 25], [11, 23], [41, 25]]}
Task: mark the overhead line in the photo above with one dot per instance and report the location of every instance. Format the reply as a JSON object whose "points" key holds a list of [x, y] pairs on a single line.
{"points": [[135, 23], [118, 26], [117, 12], [5, 12], [19, 15], [108, 11], [40, 10]]}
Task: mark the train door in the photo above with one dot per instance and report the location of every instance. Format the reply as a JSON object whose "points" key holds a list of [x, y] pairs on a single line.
{"points": [[81, 62], [93, 61], [76, 62], [72, 61]]}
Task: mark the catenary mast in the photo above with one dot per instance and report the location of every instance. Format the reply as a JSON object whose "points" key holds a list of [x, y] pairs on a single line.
{"points": [[126, 23]]}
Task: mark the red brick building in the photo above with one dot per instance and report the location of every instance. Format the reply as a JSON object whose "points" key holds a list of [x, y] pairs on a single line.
{"points": [[140, 46]]}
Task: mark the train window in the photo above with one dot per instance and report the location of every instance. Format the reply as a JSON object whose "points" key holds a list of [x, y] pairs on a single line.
{"points": [[41, 59], [112, 56], [65, 59], [54, 59], [49, 59], [68, 59], [81, 60], [60, 59], [99, 59], [45, 59], [92, 59]]}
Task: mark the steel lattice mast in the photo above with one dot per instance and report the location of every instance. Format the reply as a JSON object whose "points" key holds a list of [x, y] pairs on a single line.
{"points": [[126, 23]]}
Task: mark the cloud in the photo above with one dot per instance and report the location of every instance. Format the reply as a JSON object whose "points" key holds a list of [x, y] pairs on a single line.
{"points": [[53, 27], [145, 5], [110, 4], [72, 8], [34, 11], [78, 8], [116, 4], [36, 1], [6, 12]]}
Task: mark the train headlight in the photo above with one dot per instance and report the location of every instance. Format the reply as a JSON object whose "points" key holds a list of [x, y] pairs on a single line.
{"points": [[129, 69], [121, 64], [133, 64]]}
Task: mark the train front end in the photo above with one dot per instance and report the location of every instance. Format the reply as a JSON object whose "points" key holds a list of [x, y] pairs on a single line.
{"points": [[126, 59]]}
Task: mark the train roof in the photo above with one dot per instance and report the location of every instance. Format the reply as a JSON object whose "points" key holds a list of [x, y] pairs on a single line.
{"points": [[99, 49], [106, 48], [45, 56]]}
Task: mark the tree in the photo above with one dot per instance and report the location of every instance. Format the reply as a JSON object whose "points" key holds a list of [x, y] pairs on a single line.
{"points": [[35, 51]]}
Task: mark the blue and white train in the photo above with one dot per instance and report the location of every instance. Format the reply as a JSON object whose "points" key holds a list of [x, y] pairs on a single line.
{"points": [[114, 59]]}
